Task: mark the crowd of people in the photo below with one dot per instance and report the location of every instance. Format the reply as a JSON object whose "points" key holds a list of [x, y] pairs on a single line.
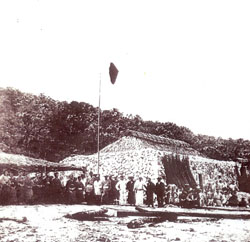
{"points": [[89, 188]]}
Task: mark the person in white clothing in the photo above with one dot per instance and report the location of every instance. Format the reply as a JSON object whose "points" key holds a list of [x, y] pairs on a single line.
{"points": [[121, 187], [98, 190], [139, 192]]}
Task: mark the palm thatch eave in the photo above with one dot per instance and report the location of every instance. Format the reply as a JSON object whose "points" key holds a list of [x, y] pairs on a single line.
{"points": [[21, 162]]}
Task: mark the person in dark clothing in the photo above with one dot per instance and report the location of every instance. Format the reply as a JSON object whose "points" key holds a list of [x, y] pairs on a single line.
{"points": [[71, 190], [186, 197], [150, 189], [13, 185], [233, 200], [47, 190], [56, 189], [160, 191], [38, 189], [79, 190], [243, 203], [113, 194], [130, 189]]}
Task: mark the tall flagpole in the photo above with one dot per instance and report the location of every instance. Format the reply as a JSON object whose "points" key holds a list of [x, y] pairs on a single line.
{"points": [[113, 72], [98, 130]]}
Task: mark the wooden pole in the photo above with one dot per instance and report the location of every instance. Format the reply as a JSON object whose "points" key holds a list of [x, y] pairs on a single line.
{"points": [[98, 130]]}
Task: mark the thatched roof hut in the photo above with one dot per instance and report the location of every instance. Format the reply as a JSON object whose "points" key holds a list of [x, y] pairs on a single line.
{"points": [[134, 154], [141, 154], [21, 162]]}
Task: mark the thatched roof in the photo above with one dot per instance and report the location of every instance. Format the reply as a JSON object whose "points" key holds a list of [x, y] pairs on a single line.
{"points": [[20, 162], [139, 140], [157, 139]]}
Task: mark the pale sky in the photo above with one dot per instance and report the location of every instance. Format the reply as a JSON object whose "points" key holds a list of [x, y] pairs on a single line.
{"points": [[186, 62]]}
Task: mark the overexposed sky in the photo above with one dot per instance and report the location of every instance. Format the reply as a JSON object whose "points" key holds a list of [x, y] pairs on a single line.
{"points": [[186, 62]]}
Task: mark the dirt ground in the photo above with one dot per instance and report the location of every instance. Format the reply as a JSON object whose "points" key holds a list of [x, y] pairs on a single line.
{"points": [[46, 223]]}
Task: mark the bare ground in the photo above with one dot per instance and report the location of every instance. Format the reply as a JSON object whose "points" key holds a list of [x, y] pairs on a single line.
{"points": [[46, 223]]}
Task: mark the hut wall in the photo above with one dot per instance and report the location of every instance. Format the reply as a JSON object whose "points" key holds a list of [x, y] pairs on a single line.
{"points": [[212, 171], [137, 157]]}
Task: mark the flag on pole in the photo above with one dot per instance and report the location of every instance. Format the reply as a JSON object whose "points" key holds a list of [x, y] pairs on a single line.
{"points": [[113, 72]]}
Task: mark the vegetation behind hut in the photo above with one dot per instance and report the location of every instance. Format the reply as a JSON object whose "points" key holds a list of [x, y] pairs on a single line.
{"points": [[40, 127]]}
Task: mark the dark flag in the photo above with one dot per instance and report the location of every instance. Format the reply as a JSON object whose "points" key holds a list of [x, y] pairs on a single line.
{"points": [[113, 72]]}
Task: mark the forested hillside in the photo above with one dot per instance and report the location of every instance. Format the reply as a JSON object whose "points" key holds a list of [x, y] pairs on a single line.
{"points": [[41, 127]]}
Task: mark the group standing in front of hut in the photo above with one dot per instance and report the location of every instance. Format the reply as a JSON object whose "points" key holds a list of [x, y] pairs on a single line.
{"points": [[89, 188]]}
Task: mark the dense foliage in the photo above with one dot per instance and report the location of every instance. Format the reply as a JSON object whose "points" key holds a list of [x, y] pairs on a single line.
{"points": [[41, 127]]}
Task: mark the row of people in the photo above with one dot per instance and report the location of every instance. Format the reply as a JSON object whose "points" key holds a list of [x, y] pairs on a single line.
{"points": [[121, 191], [23, 189], [216, 198], [133, 192], [15, 189], [26, 189]]}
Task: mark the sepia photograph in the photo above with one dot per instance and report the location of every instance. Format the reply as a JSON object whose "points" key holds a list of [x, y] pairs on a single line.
{"points": [[124, 121]]}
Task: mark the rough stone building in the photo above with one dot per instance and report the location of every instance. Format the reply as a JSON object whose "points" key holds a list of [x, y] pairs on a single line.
{"points": [[141, 154]]}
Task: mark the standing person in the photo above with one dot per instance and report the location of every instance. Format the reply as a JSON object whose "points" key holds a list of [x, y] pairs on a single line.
{"points": [[175, 195], [56, 189], [4, 178], [37, 188], [74, 193], [209, 197], [217, 198], [198, 199], [243, 202], [89, 190], [98, 190], [168, 194], [121, 188], [131, 192], [84, 183], [79, 190], [139, 192], [13, 185], [117, 193], [232, 187], [113, 193], [150, 189], [106, 185], [186, 196], [70, 190], [233, 200], [47, 189], [20, 187], [5, 188], [84, 179], [28, 190], [160, 191], [171, 194]]}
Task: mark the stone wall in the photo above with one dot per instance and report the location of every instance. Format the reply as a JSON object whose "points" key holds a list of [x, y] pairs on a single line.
{"points": [[133, 156], [213, 171]]}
